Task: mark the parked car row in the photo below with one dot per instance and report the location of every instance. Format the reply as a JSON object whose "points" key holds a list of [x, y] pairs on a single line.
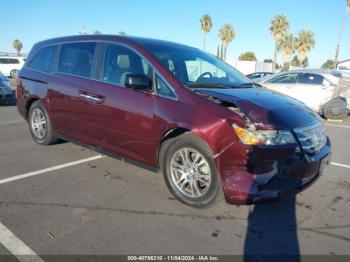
{"points": [[6, 92], [209, 133], [326, 92], [10, 65]]}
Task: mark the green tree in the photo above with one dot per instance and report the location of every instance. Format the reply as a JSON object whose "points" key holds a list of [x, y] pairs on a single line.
{"points": [[17, 45], [286, 46], [279, 26], [295, 62], [97, 32], [122, 33], [206, 26], [303, 44], [347, 11], [226, 34], [268, 60], [247, 56], [329, 64]]}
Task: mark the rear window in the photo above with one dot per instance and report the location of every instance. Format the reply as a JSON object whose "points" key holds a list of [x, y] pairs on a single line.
{"points": [[76, 59], [312, 79], [43, 60]]}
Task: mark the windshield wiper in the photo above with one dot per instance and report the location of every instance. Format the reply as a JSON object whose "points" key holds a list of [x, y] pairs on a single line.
{"points": [[250, 84], [210, 85]]}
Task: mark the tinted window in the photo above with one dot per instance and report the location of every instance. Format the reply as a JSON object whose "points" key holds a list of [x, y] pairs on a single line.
{"points": [[9, 61], [285, 79], [311, 79], [163, 89], [120, 61], [76, 59], [43, 60]]}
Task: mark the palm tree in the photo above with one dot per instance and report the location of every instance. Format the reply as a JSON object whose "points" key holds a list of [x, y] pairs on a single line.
{"points": [[226, 34], [206, 25], [286, 46], [347, 11], [97, 32], [121, 33], [17, 45], [304, 43], [278, 27]]}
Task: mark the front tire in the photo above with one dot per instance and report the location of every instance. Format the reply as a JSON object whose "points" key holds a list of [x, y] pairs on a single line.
{"points": [[40, 125], [189, 171]]}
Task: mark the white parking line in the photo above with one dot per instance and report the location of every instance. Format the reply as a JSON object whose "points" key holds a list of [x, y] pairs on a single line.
{"points": [[16, 246], [343, 126], [341, 165], [46, 170]]}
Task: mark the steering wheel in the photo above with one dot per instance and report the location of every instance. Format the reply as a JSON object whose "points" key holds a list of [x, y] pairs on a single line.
{"points": [[204, 74]]}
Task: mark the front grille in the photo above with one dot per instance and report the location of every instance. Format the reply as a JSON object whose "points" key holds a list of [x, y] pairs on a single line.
{"points": [[312, 138]]}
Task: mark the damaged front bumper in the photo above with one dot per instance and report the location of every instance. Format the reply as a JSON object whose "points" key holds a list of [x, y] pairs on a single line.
{"points": [[254, 175]]}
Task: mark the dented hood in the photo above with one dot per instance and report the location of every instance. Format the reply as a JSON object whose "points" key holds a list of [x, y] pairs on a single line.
{"points": [[264, 107]]}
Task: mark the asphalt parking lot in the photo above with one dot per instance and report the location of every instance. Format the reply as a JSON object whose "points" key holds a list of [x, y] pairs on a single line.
{"points": [[105, 206]]}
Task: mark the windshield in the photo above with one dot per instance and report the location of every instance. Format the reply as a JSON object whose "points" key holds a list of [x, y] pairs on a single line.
{"points": [[194, 68]]}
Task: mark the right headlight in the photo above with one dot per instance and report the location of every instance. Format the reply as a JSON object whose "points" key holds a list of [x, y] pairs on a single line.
{"points": [[264, 137]]}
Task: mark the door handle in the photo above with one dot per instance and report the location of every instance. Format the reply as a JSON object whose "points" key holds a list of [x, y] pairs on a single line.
{"points": [[92, 98]]}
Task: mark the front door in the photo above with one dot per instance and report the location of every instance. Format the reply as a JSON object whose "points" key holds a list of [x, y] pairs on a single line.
{"points": [[124, 121]]}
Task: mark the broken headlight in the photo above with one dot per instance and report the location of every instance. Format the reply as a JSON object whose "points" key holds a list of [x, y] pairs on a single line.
{"points": [[251, 136]]}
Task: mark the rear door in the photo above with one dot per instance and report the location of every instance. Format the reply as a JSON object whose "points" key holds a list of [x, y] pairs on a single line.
{"points": [[70, 103], [313, 90]]}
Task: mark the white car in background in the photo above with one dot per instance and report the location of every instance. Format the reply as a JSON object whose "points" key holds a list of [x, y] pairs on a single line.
{"points": [[324, 91], [10, 65]]}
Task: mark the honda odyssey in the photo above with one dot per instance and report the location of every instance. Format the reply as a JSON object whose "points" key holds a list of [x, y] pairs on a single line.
{"points": [[170, 107]]}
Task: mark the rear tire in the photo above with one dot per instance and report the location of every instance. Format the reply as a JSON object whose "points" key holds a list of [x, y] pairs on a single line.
{"points": [[335, 109], [40, 125], [194, 181]]}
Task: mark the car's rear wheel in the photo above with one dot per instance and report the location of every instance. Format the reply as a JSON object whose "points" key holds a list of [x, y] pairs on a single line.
{"points": [[335, 109], [40, 125], [189, 171]]}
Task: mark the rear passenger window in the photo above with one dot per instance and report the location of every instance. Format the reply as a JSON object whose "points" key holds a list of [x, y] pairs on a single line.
{"points": [[120, 61], [43, 60], [76, 59], [312, 79]]}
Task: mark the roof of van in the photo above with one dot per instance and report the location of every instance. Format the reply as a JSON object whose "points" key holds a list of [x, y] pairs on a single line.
{"points": [[120, 38]]}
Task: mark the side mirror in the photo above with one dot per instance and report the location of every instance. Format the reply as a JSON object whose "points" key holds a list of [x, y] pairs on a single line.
{"points": [[137, 81]]}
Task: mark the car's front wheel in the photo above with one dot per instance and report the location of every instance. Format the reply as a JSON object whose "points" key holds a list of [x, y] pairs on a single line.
{"points": [[40, 125], [189, 171]]}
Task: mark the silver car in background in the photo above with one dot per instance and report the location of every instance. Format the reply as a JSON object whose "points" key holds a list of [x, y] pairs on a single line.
{"points": [[324, 91]]}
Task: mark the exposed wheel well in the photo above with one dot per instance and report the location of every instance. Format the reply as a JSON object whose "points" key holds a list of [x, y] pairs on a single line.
{"points": [[168, 135], [29, 103]]}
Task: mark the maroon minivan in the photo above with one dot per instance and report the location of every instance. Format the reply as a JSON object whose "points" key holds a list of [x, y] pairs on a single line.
{"points": [[167, 106]]}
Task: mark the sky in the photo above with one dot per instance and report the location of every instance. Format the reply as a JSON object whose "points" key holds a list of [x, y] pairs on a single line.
{"points": [[31, 21]]}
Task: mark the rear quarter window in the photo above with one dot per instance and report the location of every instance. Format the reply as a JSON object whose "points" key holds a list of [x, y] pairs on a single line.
{"points": [[76, 59], [43, 60]]}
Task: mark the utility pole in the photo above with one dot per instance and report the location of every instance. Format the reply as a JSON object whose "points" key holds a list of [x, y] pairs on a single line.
{"points": [[336, 60]]}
